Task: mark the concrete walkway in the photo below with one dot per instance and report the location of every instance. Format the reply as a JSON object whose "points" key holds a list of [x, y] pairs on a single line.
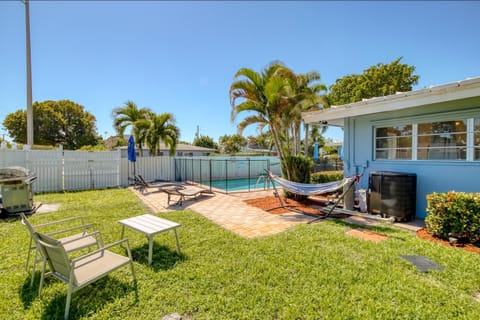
{"points": [[230, 212]]}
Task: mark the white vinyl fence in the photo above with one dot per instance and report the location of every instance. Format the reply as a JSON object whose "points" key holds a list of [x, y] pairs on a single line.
{"points": [[59, 170]]}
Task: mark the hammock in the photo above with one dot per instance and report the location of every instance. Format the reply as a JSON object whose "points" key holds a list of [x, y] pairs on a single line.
{"points": [[308, 189]]}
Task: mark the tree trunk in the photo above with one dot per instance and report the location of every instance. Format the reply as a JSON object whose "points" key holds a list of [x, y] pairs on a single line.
{"points": [[306, 138]]}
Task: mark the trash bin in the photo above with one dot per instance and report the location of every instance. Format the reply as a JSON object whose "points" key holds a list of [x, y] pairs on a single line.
{"points": [[16, 189], [392, 194]]}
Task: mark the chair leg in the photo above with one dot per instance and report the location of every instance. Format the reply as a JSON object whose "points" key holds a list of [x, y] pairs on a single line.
{"points": [[34, 266], [67, 304], [28, 254], [133, 272], [41, 278]]}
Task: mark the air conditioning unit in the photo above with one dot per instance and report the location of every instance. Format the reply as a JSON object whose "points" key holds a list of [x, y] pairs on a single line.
{"points": [[392, 194]]}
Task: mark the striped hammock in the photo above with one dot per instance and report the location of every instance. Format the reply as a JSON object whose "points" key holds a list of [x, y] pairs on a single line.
{"points": [[307, 189]]}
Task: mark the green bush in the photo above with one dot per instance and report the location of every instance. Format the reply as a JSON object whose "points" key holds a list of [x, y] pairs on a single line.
{"points": [[454, 214], [300, 169], [326, 176]]}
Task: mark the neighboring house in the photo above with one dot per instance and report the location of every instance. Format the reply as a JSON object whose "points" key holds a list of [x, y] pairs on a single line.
{"points": [[333, 144], [184, 150], [432, 132]]}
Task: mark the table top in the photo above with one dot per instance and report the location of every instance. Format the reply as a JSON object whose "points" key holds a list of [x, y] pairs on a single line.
{"points": [[149, 224]]}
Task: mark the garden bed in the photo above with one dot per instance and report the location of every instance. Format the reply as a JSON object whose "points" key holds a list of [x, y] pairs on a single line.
{"points": [[271, 205]]}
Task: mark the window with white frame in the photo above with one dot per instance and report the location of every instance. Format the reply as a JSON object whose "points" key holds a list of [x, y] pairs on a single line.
{"points": [[394, 142], [445, 140], [455, 139]]}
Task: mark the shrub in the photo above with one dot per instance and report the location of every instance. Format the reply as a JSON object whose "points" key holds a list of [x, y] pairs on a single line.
{"points": [[300, 169], [326, 176], [454, 214]]}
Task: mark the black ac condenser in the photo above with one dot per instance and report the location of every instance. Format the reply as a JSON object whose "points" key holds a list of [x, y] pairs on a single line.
{"points": [[392, 194]]}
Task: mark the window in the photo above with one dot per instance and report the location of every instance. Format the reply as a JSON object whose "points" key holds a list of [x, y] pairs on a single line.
{"points": [[457, 139], [394, 142], [442, 140]]}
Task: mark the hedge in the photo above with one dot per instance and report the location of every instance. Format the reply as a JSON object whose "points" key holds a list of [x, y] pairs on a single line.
{"points": [[454, 214], [326, 176]]}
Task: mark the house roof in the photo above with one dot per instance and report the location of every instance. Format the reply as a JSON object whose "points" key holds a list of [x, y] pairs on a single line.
{"points": [[186, 148], [401, 100], [180, 148]]}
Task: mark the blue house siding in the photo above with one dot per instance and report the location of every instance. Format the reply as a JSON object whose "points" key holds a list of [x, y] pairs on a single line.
{"points": [[432, 175]]}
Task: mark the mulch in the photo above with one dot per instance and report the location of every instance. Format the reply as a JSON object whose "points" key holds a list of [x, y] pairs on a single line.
{"points": [[423, 234], [271, 205]]}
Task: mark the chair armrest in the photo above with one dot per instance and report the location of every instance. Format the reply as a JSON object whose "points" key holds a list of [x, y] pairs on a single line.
{"points": [[58, 222], [96, 234], [82, 227], [116, 243]]}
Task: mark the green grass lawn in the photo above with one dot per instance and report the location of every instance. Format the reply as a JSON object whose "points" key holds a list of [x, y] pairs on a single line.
{"points": [[308, 272]]}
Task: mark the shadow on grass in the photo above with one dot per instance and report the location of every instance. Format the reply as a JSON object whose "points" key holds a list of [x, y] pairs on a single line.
{"points": [[84, 302], [163, 257], [29, 293]]}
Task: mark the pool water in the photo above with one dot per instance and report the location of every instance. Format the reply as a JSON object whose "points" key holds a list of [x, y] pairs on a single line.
{"points": [[240, 184]]}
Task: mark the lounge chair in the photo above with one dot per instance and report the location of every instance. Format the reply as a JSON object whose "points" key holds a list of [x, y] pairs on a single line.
{"points": [[141, 184], [83, 270], [184, 192], [73, 233]]}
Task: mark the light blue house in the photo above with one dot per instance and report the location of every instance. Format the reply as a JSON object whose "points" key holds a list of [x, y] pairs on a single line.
{"points": [[432, 132]]}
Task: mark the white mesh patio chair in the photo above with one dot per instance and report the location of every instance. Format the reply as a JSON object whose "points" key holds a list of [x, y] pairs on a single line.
{"points": [[83, 270], [73, 233]]}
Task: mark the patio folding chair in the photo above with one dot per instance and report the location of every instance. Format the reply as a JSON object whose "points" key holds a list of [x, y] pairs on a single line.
{"points": [[81, 271], [69, 236]]}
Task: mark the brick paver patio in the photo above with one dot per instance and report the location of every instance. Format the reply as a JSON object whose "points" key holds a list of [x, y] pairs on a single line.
{"points": [[229, 211]]}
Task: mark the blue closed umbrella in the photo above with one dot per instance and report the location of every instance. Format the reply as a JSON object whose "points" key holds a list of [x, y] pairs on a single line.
{"points": [[131, 150], [131, 153], [315, 151]]}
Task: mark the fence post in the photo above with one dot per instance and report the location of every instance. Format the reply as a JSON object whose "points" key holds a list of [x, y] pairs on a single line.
{"points": [[210, 173], [248, 174]]}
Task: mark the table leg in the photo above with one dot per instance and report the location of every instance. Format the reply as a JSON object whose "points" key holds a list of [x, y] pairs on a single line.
{"points": [[150, 249], [123, 231], [176, 237]]}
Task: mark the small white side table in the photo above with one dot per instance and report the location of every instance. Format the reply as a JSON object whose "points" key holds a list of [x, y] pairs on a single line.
{"points": [[150, 225]]}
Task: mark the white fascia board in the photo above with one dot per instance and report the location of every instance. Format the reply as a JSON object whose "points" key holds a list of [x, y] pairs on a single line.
{"points": [[442, 93]]}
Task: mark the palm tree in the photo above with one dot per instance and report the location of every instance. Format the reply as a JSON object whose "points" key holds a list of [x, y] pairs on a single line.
{"points": [[162, 128], [309, 96], [131, 116], [266, 94]]}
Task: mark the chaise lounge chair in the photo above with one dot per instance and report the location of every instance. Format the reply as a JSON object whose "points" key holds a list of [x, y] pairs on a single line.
{"points": [[141, 184], [184, 192]]}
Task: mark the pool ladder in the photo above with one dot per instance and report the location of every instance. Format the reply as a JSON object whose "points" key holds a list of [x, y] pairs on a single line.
{"points": [[265, 180]]}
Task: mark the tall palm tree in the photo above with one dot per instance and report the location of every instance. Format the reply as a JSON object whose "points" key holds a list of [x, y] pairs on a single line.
{"points": [[266, 94], [310, 96], [131, 116], [162, 128]]}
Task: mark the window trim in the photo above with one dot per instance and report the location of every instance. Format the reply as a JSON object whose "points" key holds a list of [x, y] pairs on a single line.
{"points": [[468, 116]]}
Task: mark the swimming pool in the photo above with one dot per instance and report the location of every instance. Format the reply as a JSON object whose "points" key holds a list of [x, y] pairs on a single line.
{"points": [[239, 184]]}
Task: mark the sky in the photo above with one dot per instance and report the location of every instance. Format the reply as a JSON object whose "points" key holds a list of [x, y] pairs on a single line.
{"points": [[181, 56]]}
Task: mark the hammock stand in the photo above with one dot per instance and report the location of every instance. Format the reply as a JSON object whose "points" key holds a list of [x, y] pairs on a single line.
{"points": [[306, 189], [316, 189]]}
